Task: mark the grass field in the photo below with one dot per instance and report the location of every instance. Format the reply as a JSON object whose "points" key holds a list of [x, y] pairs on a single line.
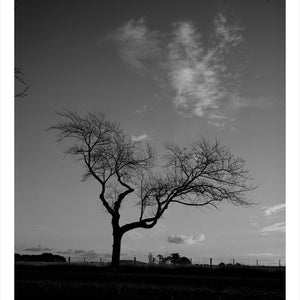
{"points": [[87, 281]]}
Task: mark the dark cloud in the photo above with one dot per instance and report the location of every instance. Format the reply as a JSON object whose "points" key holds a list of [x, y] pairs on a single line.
{"points": [[37, 249], [67, 252], [79, 252], [90, 255], [186, 240]]}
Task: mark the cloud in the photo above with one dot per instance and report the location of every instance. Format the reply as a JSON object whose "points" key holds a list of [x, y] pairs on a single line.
{"points": [[91, 255], [65, 252], [260, 254], [38, 249], [227, 34], [79, 252], [139, 138], [274, 209], [88, 254], [277, 227], [137, 43], [194, 81], [248, 102], [141, 110], [186, 240], [197, 74], [200, 74]]}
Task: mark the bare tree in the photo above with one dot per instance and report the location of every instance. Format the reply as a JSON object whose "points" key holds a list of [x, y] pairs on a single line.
{"points": [[22, 89], [201, 175]]}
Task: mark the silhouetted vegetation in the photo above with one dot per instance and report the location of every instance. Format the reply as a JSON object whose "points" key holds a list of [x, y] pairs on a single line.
{"points": [[174, 259], [44, 257]]}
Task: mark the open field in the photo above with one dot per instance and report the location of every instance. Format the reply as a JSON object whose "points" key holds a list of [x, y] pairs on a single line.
{"points": [[87, 281]]}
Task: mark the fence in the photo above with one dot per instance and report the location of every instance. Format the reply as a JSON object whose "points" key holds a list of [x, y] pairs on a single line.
{"points": [[240, 261], [209, 261]]}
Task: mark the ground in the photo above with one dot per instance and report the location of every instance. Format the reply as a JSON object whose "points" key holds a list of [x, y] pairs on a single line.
{"points": [[91, 281]]}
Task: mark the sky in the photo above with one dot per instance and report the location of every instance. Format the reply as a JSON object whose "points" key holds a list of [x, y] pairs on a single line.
{"points": [[166, 71]]}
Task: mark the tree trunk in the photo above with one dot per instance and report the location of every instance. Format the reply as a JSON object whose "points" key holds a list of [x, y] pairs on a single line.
{"points": [[117, 237]]}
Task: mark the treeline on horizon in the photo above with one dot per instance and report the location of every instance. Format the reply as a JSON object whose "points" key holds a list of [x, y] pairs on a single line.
{"points": [[44, 257]]}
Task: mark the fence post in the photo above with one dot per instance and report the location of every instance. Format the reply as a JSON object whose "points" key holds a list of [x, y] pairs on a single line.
{"points": [[233, 261], [279, 263], [134, 259], [210, 262]]}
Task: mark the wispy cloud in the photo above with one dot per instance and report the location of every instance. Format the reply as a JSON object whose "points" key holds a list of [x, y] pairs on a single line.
{"points": [[248, 102], [141, 110], [37, 249], [197, 70], [137, 43], [186, 240], [277, 227], [139, 138], [197, 73], [274, 209], [227, 34]]}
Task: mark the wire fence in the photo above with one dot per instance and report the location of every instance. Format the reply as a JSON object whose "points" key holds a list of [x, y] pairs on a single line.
{"points": [[240, 261], [204, 261]]}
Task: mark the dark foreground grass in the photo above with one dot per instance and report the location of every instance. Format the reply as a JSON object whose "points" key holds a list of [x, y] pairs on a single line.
{"points": [[53, 281]]}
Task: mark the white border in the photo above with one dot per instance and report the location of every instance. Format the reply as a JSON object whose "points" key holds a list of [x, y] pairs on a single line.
{"points": [[292, 149], [7, 149]]}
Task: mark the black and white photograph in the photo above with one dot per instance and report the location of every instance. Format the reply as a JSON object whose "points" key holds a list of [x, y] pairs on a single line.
{"points": [[150, 149]]}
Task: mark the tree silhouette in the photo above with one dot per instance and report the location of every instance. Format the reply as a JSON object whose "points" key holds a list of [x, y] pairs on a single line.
{"points": [[174, 259], [199, 175], [21, 87]]}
